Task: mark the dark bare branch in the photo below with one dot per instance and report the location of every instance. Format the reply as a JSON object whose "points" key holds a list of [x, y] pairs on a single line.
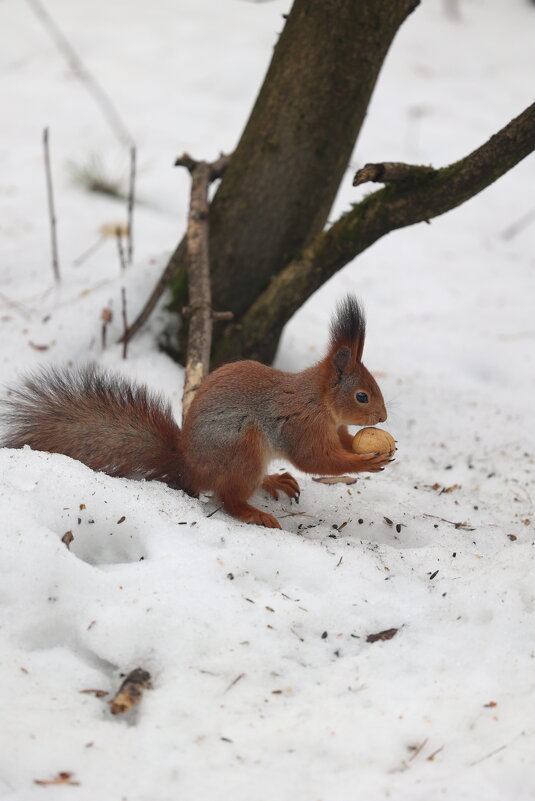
{"points": [[185, 160], [177, 259], [255, 334]]}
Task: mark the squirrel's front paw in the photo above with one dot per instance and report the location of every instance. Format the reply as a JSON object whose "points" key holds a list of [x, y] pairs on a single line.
{"points": [[284, 482], [374, 462]]}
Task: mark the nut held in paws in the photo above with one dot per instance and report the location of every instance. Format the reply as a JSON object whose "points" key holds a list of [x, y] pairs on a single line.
{"points": [[373, 440]]}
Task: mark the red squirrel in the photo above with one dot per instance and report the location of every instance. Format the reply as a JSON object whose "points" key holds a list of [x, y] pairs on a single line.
{"points": [[244, 415]]}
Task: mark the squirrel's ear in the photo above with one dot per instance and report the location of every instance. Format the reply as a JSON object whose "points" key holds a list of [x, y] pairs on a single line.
{"points": [[342, 360], [348, 328], [360, 348]]}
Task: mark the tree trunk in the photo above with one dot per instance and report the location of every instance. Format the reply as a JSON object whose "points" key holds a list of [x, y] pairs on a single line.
{"points": [[283, 177]]}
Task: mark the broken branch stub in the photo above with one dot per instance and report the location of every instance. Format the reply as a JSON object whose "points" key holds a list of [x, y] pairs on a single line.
{"points": [[390, 172]]}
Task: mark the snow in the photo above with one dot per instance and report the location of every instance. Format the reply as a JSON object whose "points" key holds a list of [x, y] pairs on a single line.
{"points": [[264, 683]]}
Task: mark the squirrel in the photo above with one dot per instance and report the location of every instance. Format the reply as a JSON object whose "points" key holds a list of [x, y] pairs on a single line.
{"points": [[243, 415]]}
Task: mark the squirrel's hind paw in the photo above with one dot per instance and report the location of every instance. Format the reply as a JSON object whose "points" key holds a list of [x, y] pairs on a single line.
{"points": [[250, 514]]}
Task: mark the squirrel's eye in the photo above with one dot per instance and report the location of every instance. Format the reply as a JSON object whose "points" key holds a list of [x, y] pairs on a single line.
{"points": [[361, 397]]}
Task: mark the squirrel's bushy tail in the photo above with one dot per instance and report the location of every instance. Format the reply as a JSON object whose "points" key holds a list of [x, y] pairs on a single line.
{"points": [[101, 420]]}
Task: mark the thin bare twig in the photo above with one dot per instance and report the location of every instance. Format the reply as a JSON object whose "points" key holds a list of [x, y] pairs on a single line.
{"points": [[418, 749], [488, 756], [217, 509], [51, 208], [120, 249], [234, 682], [18, 307], [88, 252], [515, 228], [163, 283], [63, 777], [125, 320], [80, 70], [459, 525], [432, 756], [131, 201], [106, 316]]}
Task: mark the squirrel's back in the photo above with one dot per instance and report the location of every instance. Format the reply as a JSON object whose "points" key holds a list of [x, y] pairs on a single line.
{"points": [[101, 420]]}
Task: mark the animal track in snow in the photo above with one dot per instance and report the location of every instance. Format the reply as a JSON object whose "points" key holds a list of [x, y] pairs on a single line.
{"points": [[99, 539]]}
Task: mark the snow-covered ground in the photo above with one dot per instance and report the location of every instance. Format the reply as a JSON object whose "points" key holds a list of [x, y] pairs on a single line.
{"points": [[264, 684]]}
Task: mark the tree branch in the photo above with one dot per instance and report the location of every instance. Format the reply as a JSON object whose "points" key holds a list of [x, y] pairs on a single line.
{"points": [[200, 298], [390, 172], [199, 311], [396, 206], [179, 256]]}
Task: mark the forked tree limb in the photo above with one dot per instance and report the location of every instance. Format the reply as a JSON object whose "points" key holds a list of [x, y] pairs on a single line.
{"points": [[293, 153], [277, 194], [395, 206], [215, 168]]}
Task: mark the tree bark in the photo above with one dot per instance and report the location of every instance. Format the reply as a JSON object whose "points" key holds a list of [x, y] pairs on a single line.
{"points": [[283, 178], [200, 296], [200, 323], [422, 196]]}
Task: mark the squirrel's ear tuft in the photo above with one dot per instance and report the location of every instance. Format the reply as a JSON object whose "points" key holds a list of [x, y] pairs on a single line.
{"points": [[348, 328]]}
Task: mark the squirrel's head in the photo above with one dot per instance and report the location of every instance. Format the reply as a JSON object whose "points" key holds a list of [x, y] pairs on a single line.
{"points": [[351, 391]]}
